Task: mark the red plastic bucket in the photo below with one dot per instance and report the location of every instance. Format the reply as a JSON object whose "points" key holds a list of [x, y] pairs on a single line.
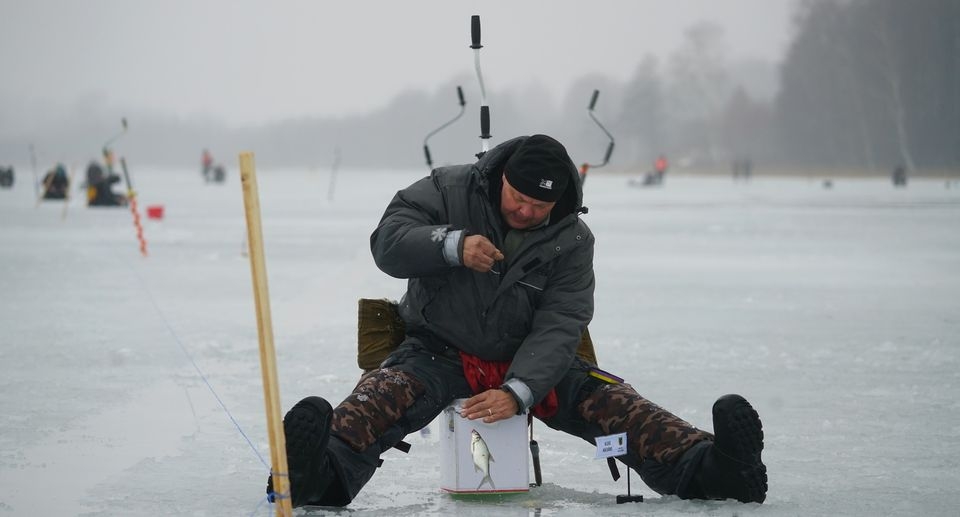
{"points": [[155, 212]]}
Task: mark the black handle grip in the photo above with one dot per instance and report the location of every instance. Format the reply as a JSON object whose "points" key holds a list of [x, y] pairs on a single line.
{"points": [[609, 152], [426, 152], [475, 31], [593, 100], [460, 94], [484, 122], [535, 453]]}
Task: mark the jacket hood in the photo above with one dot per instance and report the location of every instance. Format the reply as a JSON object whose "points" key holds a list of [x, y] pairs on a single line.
{"points": [[489, 168]]}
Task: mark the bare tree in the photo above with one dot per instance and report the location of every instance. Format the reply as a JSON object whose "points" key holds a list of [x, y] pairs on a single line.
{"points": [[642, 117], [699, 84], [888, 60]]}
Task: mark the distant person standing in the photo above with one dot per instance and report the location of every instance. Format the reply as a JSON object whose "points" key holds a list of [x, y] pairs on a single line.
{"points": [[206, 162], [655, 177], [583, 172], [899, 176], [660, 167], [742, 168], [212, 172]]}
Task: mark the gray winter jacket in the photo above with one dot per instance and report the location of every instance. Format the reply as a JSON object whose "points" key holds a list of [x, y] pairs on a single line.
{"points": [[531, 313]]}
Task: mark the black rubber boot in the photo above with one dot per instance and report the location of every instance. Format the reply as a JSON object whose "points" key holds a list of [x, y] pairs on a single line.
{"points": [[732, 468], [307, 430]]}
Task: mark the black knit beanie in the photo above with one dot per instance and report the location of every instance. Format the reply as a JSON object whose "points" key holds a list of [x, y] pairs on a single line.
{"points": [[539, 168]]}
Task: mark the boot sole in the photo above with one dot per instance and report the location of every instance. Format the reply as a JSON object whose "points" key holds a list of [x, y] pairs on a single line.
{"points": [[306, 428], [746, 434]]}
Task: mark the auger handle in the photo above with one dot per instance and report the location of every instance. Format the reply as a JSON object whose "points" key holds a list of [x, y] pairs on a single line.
{"points": [[475, 32]]}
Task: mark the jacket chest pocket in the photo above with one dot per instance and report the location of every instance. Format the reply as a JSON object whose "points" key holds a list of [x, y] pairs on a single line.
{"points": [[534, 283]]}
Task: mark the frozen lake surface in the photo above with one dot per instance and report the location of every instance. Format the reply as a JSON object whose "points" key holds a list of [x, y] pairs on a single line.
{"points": [[836, 312]]}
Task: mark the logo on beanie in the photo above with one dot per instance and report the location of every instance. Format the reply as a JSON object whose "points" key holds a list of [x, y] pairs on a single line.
{"points": [[547, 184]]}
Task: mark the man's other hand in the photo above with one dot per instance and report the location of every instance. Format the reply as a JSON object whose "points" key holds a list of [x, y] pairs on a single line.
{"points": [[479, 253]]}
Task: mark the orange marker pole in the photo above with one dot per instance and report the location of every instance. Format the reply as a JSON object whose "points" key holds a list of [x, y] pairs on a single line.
{"points": [[268, 363], [132, 199]]}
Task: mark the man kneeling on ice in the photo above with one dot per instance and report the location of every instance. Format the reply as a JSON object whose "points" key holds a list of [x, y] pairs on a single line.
{"points": [[500, 283]]}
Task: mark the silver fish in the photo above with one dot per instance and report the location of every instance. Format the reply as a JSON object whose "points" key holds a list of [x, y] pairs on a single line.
{"points": [[481, 458]]}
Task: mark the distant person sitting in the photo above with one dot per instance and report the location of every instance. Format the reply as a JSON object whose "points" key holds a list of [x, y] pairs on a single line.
{"points": [[56, 184], [100, 187], [6, 177], [219, 173], [654, 177]]}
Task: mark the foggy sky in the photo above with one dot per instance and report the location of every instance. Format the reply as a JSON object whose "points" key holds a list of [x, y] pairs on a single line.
{"points": [[246, 62]]}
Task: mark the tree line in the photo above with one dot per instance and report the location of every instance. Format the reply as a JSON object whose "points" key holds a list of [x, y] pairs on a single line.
{"points": [[873, 84], [864, 84]]}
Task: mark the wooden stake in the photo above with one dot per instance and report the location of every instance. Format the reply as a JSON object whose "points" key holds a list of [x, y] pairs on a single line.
{"points": [[268, 365]]}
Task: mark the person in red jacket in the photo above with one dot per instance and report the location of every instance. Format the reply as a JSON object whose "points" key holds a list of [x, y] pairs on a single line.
{"points": [[660, 167], [207, 164]]}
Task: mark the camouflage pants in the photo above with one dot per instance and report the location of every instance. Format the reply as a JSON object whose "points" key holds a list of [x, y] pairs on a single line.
{"points": [[590, 407], [652, 432], [405, 394], [663, 448], [378, 402]]}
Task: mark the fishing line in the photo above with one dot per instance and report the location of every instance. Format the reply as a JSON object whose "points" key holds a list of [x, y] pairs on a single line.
{"points": [[203, 377], [260, 505], [196, 367]]}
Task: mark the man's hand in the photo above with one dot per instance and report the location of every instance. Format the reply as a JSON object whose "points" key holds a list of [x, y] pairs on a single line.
{"points": [[479, 253], [491, 405]]}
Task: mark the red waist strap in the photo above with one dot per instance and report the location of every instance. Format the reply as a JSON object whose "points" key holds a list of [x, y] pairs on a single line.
{"points": [[488, 375]]}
